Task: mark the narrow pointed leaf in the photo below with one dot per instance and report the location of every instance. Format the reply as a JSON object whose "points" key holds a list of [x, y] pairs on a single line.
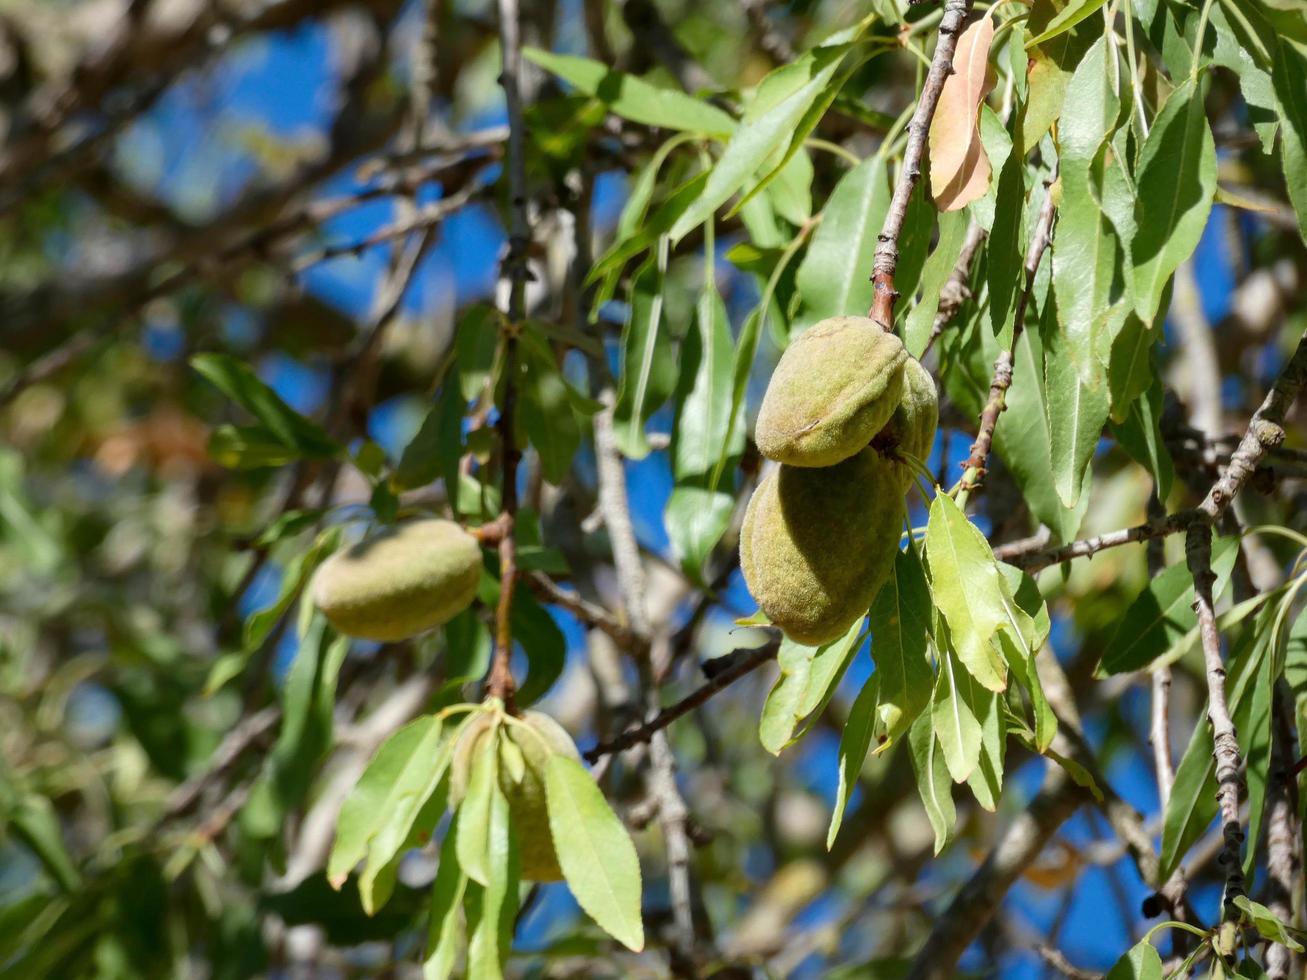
{"points": [[967, 589], [594, 851], [1177, 180]]}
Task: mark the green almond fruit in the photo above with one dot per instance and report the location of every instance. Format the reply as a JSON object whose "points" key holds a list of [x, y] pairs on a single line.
{"points": [[833, 389], [911, 429], [400, 581], [817, 544], [526, 797]]}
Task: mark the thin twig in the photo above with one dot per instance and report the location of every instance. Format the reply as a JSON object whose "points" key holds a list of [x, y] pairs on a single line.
{"points": [[1056, 960], [425, 219], [673, 814], [1018, 553], [957, 290], [1159, 729], [745, 664], [1283, 855], [500, 682], [1265, 432], [887, 248], [1225, 743], [589, 613], [974, 468]]}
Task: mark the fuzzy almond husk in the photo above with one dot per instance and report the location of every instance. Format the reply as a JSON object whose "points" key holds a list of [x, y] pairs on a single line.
{"points": [[526, 798], [400, 581], [833, 389], [911, 429], [817, 544]]}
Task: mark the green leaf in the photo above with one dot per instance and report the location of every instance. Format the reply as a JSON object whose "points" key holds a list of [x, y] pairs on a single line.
{"points": [[956, 726], [935, 274], [308, 700], [474, 844], [648, 365], [769, 124], [703, 411], [1078, 773], [435, 449], [1027, 629], [915, 238], [1244, 56], [651, 230], [900, 625], [826, 671], [633, 98], [933, 783], [1021, 437], [32, 819], [696, 518], [238, 382], [594, 851], [381, 872], [834, 276], [746, 346], [248, 447], [967, 589], [542, 642], [774, 170], [1162, 614], [492, 907], [1176, 181], [855, 743], [1077, 413], [807, 677], [1087, 256], [986, 779], [377, 817], [1141, 963], [294, 576], [790, 188], [545, 410], [1290, 79], [1255, 742], [1130, 369], [1067, 18], [445, 932], [1140, 435], [1267, 923], [476, 347], [1006, 249]]}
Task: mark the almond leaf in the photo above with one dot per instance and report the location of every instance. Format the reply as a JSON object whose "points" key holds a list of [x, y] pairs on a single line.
{"points": [[959, 166]]}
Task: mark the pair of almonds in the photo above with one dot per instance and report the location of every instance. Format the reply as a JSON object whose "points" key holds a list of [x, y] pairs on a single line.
{"points": [[845, 402]]}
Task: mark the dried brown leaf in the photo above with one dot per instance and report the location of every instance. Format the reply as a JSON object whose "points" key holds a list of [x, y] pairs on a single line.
{"points": [[959, 167]]}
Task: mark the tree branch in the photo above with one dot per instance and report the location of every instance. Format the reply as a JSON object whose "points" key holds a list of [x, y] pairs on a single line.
{"points": [[1265, 432], [589, 613], [500, 682], [887, 248], [1225, 744], [742, 662], [974, 467], [1018, 554], [1283, 832], [957, 290]]}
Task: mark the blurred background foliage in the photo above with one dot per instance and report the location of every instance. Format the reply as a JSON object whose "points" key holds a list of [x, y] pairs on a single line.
{"points": [[255, 178]]}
